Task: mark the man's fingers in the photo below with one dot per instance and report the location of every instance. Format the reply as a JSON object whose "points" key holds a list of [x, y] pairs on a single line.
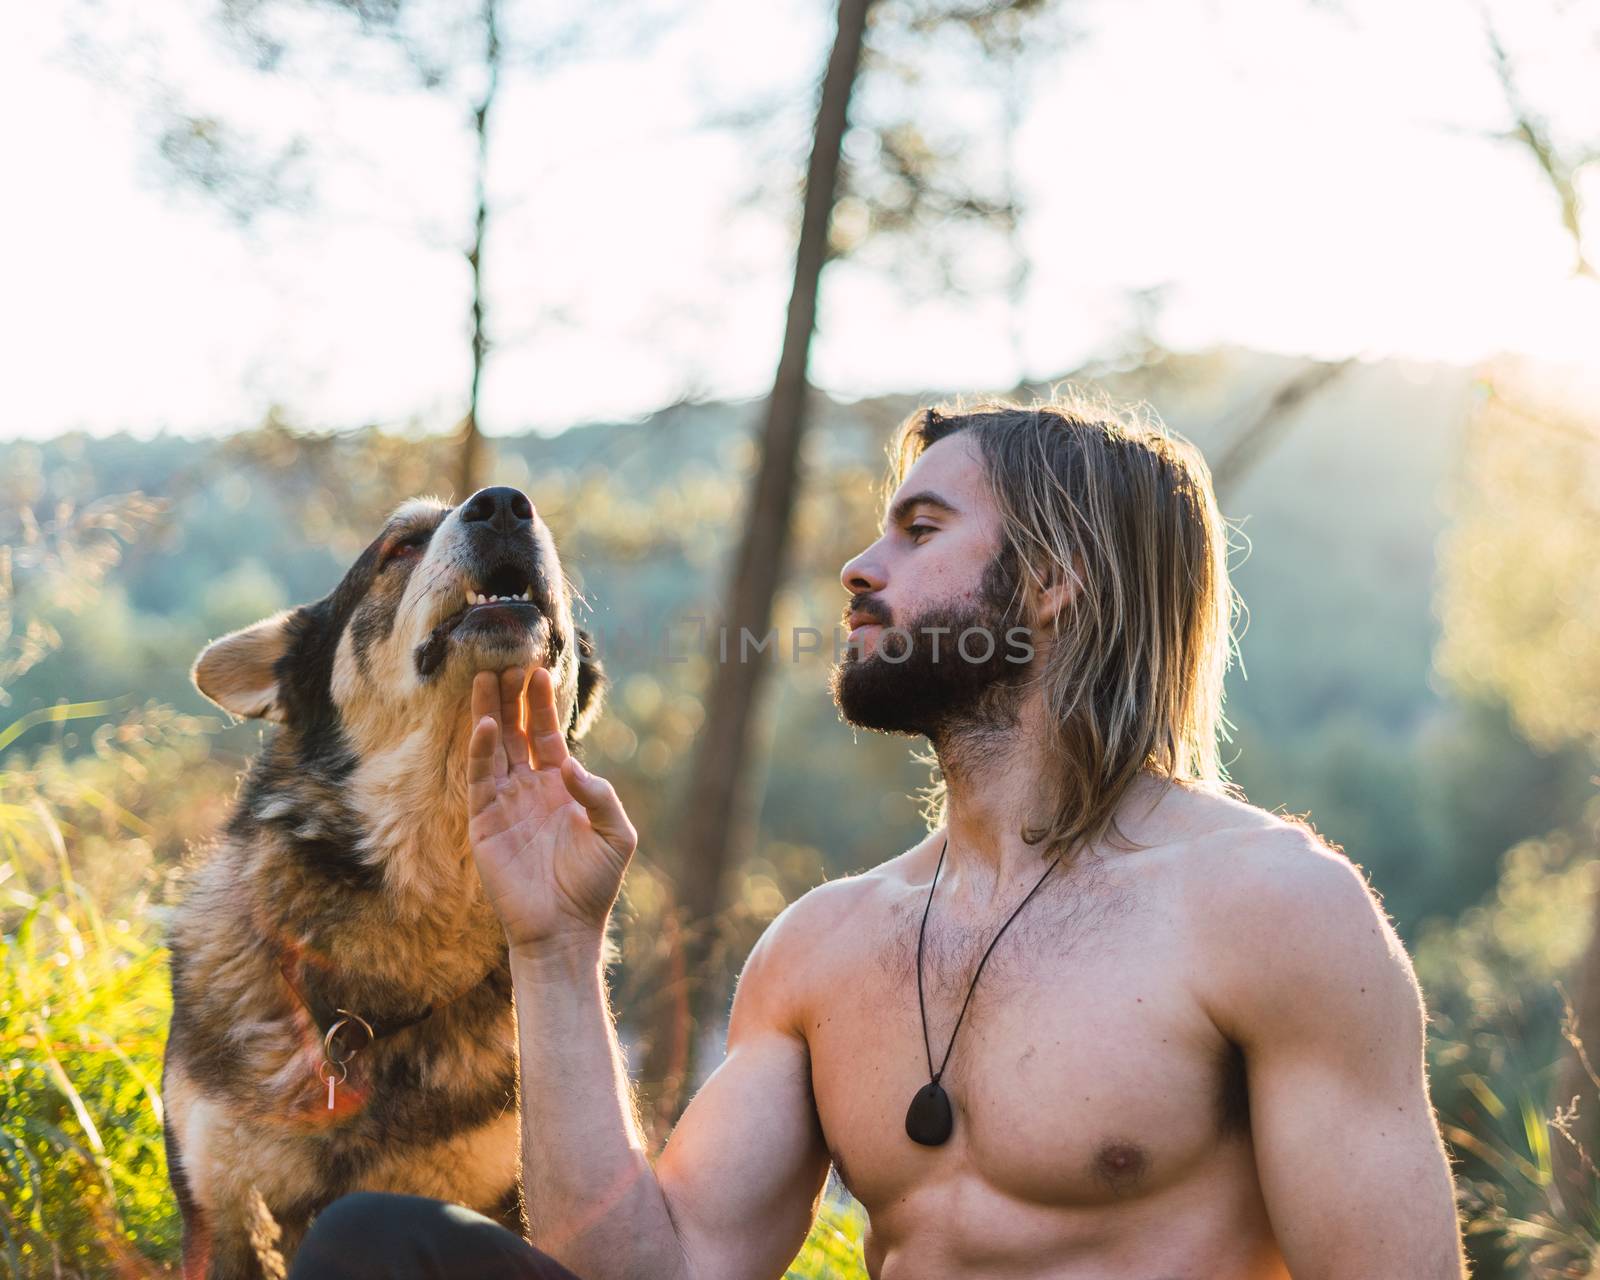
{"points": [[599, 800], [512, 681], [485, 765], [486, 702], [544, 728]]}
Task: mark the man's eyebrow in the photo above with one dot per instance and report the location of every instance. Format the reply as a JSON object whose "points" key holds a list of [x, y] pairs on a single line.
{"points": [[901, 511]]}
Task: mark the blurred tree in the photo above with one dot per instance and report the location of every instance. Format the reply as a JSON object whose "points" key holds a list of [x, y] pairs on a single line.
{"points": [[908, 191], [1560, 162], [1519, 572], [1520, 576], [462, 51], [1252, 440], [339, 485]]}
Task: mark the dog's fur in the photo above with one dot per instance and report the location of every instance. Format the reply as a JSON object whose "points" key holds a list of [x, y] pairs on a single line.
{"points": [[344, 879]]}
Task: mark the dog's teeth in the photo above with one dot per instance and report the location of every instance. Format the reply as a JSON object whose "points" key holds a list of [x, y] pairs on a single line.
{"points": [[479, 597]]}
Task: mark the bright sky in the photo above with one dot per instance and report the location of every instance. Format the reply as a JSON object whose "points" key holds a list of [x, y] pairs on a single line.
{"points": [[1296, 176]]}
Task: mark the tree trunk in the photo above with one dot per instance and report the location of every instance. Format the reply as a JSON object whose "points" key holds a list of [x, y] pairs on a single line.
{"points": [[719, 819], [469, 458]]}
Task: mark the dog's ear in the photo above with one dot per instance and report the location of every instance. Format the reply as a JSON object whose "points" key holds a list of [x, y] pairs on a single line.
{"points": [[591, 686], [240, 671]]}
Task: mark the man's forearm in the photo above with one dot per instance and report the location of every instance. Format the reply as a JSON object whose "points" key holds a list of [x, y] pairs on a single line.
{"points": [[593, 1199]]}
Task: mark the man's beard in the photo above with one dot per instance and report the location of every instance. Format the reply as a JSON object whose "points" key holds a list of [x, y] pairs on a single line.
{"points": [[934, 683]]}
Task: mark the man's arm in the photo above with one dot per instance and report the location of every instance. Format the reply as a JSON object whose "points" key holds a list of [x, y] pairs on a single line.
{"points": [[1300, 967], [735, 1192]]}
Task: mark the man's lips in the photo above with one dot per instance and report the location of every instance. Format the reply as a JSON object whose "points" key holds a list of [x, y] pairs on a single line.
{"points": [[860, 622]]}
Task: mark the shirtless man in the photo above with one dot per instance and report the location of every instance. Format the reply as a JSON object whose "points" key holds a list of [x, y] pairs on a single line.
{"points": [[1196, 1054]]}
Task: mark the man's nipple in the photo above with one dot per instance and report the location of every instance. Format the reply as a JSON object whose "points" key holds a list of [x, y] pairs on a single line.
{"points": [[1120, 1166]]}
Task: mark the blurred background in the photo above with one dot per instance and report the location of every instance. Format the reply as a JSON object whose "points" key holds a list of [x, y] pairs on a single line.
{"points": [[270, 266]]}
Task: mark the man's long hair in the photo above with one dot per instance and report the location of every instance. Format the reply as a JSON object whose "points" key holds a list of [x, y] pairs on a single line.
{"points": [[1109, 499]]}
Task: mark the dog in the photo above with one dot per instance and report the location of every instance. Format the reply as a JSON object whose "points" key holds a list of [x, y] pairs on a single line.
{"points": [[341, 994]]}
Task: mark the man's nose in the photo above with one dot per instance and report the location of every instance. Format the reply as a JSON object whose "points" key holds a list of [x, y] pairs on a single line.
{"points": [[860, 575], [500, 508]]}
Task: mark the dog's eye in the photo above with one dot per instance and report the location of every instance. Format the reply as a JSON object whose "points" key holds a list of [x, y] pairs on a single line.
{"points": [[407, 548]]}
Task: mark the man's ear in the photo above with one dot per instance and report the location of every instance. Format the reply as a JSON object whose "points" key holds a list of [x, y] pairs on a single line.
{"points": [[240, 671], [591, 685], [1053, 596]]}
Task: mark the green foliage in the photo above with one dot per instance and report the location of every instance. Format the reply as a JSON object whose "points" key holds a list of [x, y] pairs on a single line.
{"points": [[85, 843], [833, 1249], [1498, 1017], [1515, 1083], [1520, 574], [83, 1013]]}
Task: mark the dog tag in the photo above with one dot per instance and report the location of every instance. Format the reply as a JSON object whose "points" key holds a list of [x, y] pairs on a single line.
{"points": [[333, 1074], [334, 1068]]}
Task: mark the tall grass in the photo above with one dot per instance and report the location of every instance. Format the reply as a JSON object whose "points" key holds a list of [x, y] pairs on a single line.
{"points": [[82, 986], [833, 1250], [83, 1010]]}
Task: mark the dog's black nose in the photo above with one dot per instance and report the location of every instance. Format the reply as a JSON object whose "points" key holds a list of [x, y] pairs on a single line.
{"points": [[502, 508]]}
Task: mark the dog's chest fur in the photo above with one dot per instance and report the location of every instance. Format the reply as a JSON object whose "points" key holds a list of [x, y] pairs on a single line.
{"points": [[351, 883]]}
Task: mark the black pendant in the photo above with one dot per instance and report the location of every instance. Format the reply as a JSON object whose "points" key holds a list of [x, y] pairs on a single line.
{"points": [[930, 1120]]}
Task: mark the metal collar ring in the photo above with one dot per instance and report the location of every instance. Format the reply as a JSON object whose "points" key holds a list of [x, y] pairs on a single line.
{"points": [[346, 1020]]}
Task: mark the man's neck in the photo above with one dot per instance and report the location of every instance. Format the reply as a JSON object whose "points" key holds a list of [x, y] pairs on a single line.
{"points": [[998, 782]]}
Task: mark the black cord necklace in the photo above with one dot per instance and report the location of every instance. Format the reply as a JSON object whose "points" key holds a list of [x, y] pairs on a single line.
{"points": [[930, 1119]]}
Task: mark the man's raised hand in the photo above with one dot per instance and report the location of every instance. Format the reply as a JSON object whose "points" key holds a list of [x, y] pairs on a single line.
{"points": [[551, 839]]}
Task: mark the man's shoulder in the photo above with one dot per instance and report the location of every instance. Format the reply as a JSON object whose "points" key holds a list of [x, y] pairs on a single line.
{"points": [[835, 908], [1229, 853], [1276, 868], [1284, 920], [820, 931]]}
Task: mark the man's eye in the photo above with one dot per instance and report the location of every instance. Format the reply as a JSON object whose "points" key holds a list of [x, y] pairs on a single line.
{"points": [[917, 530]]}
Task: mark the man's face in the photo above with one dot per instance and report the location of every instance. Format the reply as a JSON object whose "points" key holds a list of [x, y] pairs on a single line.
{"points": [[933, 605]]}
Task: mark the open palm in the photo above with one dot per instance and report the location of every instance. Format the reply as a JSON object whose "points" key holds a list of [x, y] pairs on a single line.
{"points": [[551, 839]]}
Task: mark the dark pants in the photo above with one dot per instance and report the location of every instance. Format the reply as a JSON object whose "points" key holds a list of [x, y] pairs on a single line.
{"points": [[377, 1236]]}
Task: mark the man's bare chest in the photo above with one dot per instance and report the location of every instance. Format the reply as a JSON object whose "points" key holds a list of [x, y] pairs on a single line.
{"points": [[1084, 1072]]}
